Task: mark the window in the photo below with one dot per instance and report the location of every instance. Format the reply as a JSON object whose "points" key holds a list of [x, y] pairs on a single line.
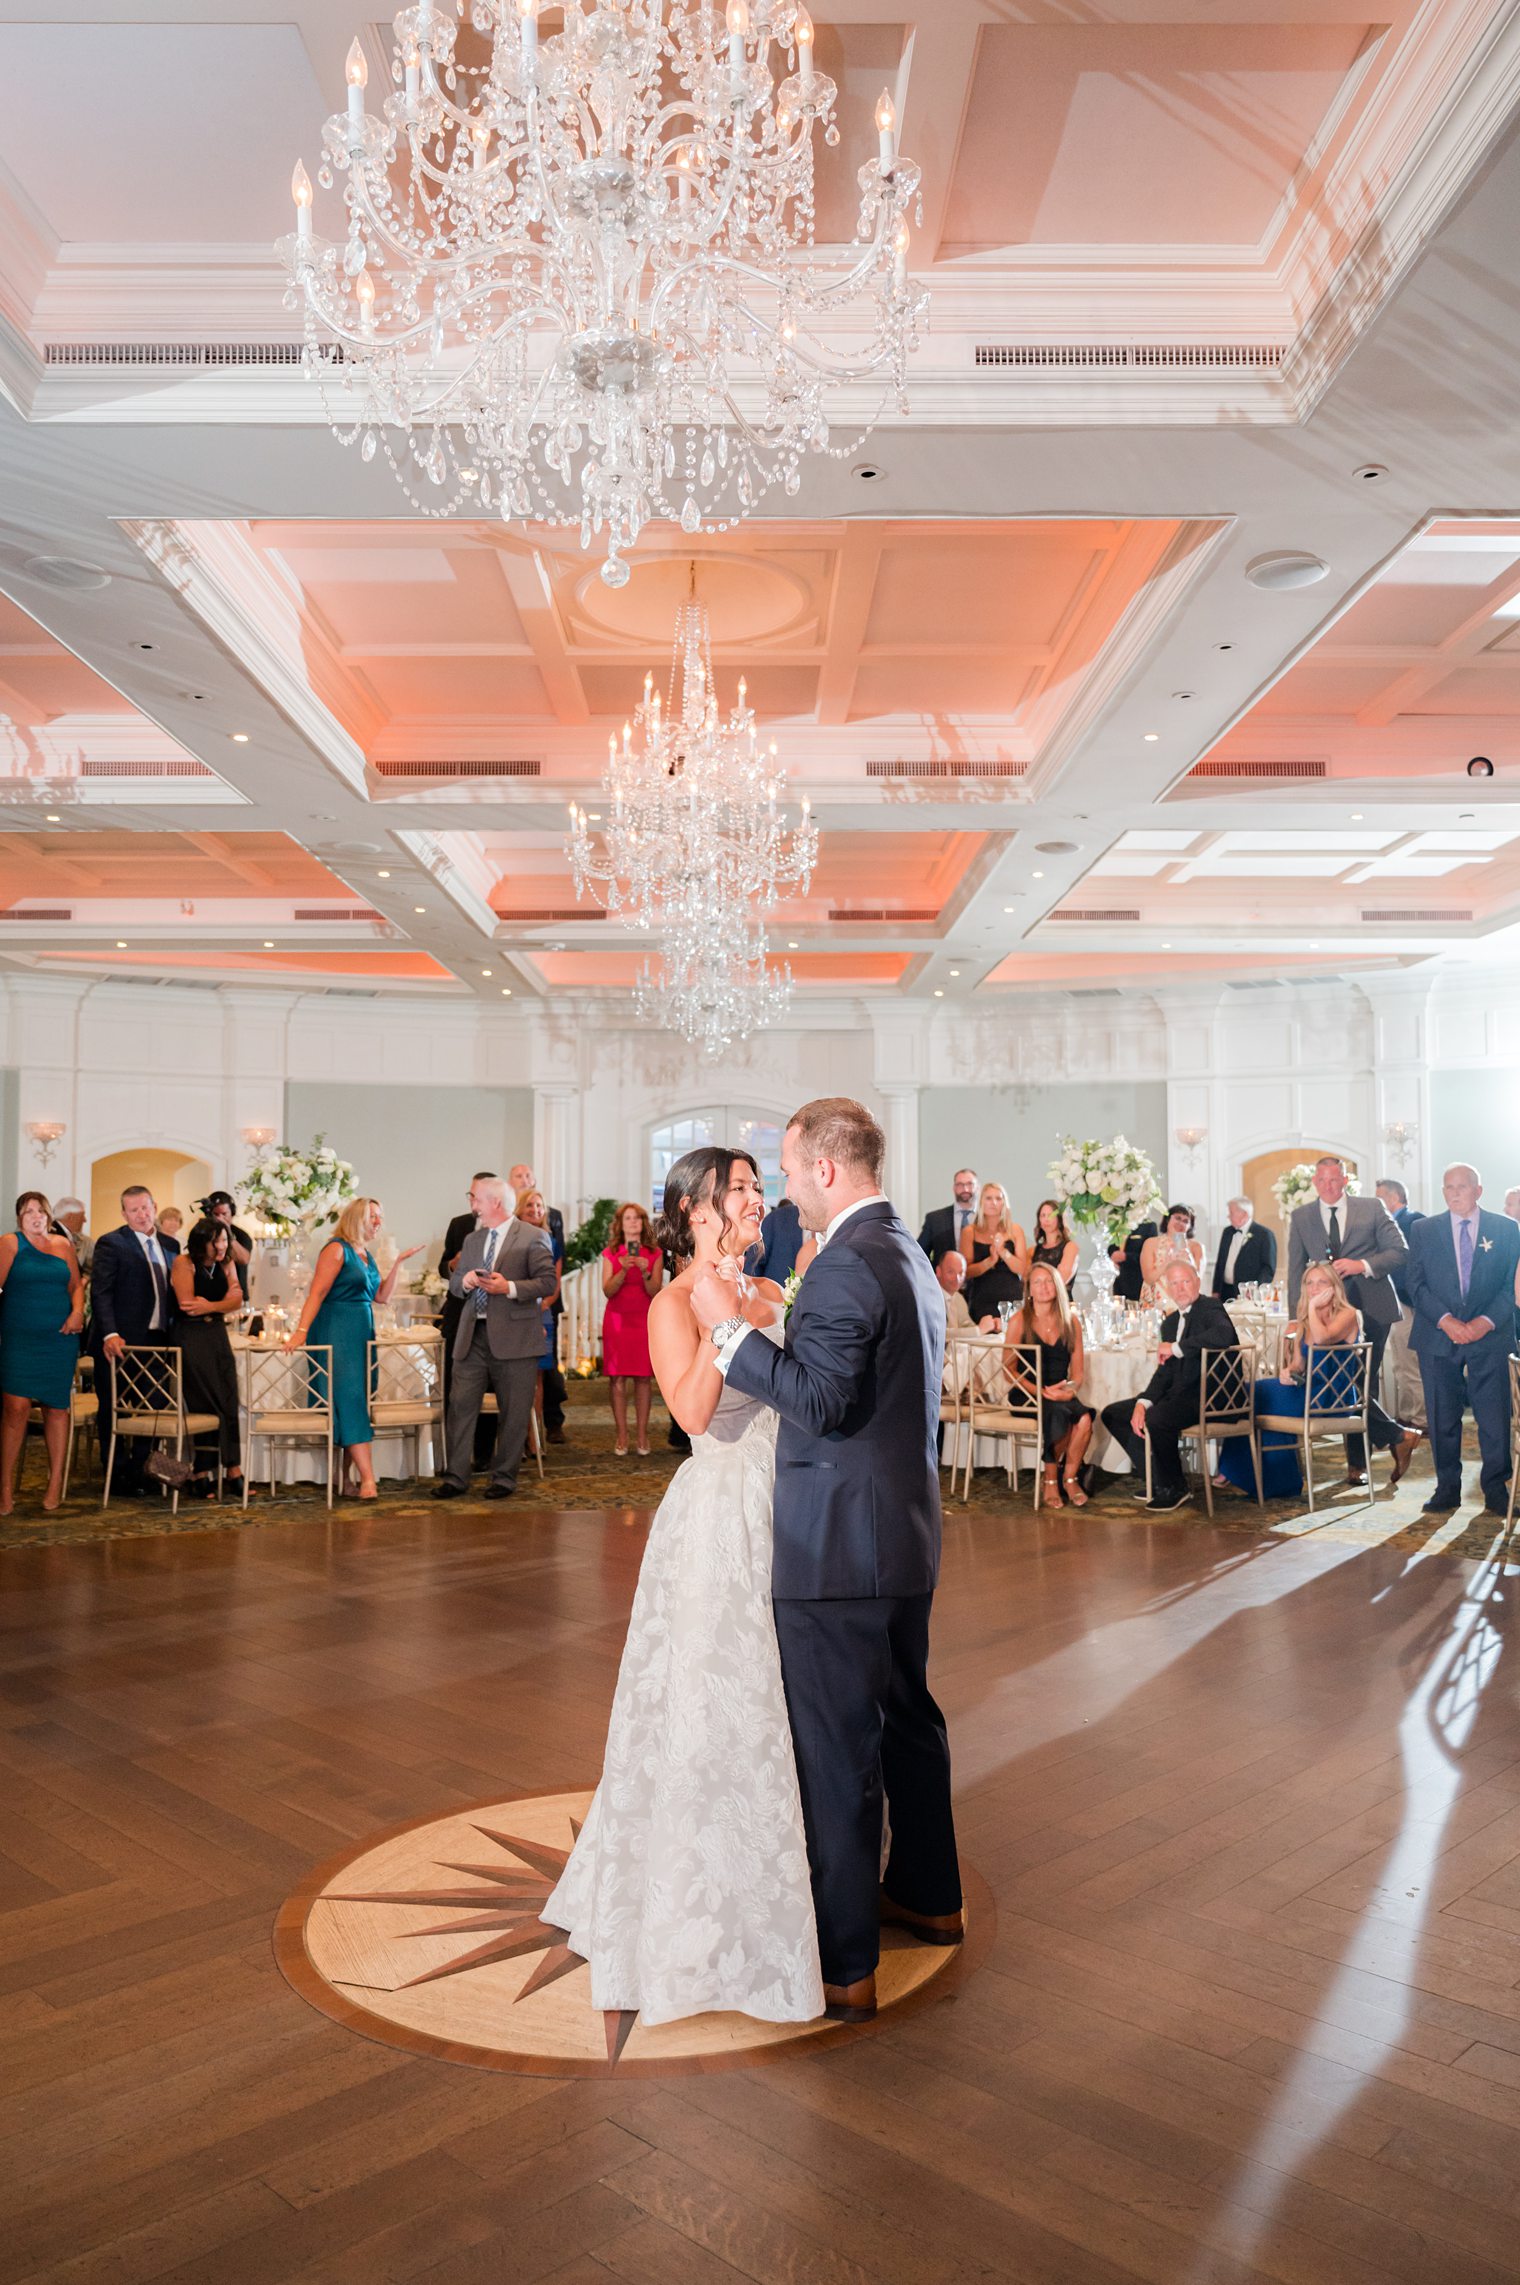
{"points": [[714, 1123]]}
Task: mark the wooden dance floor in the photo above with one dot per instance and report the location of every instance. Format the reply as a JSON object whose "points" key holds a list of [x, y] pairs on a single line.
{"points": [[1250, 1810]]}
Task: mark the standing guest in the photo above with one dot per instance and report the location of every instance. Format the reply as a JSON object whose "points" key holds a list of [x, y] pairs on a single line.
{"points": [[206, 1293], [1170, 1402], [1247, 1252], [996, 1256], [505, 1269], [220, 1206], [1511, 1203], [339, 1313], [1360, 1240], [40, 1322], [632, 1272], [1173, 1242], [130, 1306], [170, 1223], [1045, 1322], [950, 1271], [1408, 1388], [520, 1179], [784, 1245], [1054, 1246], [68, 1222], [453, 1309], [1129, 1284], [1463, 1276], [945, 1227], [532, 1210]]}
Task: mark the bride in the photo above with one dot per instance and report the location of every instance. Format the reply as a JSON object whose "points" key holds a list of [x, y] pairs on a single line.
{"points": [[688, 1888]]}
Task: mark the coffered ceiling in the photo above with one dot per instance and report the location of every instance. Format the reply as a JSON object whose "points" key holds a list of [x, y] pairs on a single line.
{"points": [[1210, 282]]}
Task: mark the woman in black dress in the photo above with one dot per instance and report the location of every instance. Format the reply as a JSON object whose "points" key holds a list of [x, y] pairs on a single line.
{"points": [[1054, 1244], [1046, 1322], [995, 1257], [207, 1292]]}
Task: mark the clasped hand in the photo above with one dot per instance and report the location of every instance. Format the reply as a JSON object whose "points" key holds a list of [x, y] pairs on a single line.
{"points": [[718, 1293]]}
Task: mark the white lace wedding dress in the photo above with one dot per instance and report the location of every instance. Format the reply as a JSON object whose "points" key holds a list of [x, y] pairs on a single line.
{"points": [[688, 1888]]}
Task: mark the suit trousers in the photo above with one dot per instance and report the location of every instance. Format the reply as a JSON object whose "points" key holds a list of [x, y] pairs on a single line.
{"points": [[1165, 1421], [511, 1380], [1385, 1433], [1408, 1391], [864, 1724], [1477, 1375]]}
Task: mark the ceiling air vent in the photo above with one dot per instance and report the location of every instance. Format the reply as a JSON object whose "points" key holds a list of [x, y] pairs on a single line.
{"points": [[1097, 912], [39, 912], [1282, 772], [1418, 912], [946, 769], [570, 912], [458, 770], [884, 912], [336, 912], [1131, 356], [185, 769], [191, 356]]}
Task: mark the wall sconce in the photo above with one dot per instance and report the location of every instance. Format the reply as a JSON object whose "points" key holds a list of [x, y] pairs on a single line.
{"points": [[46, 1135], [1191, 1139], [257, 1138], [1401, 1136]]}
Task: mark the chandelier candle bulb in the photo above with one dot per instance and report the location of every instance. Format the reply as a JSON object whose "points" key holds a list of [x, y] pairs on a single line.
{"points": [[413, 64], [356, 72], [364, 294], [886, 123], [738, 26], [802, 33], [300, 191], [528, 10]]}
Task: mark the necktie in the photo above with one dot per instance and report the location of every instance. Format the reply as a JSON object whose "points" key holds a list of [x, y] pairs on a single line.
{"points": [[161, 1289], [482, 1298], [1335, 1234], [1464, 1257]]}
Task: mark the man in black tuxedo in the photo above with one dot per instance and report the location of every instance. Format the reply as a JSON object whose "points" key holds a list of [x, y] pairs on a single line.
{"points": [[131, 1306], [1126, 1260], [520, 1178], [1169, 1403], [1460, 1278], [1247, 1252], [856, 1548], [945, 1226]]}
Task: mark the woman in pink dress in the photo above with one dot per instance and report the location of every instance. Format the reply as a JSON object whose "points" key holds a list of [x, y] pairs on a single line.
{"points": [[632, 1268]]}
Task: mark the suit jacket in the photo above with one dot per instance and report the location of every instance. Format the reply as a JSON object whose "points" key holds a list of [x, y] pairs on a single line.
{"points": [[1434, 1285], [937, 1237], [1209, 1326], [121, 1288], [514, 1324], [781, 1240], [1129, 1282], [1256, 1265], [1406, 1218], [1369, 1233], [857, 1385]]}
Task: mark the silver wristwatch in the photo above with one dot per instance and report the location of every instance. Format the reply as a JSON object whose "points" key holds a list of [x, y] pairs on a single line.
{"points": [[729, 1326]]}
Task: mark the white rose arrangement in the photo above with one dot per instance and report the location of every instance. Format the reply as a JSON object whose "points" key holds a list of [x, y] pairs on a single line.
{"points": [[1111, 1184], [1296, 1187], [298, 1190]]}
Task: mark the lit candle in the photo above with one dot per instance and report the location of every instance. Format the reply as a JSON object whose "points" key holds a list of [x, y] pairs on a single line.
{"points": [[802, 33], [683, 179], [480, 136], [364, 290], [886, 121], [356, 72], [300, 191], [528, 10], [413, 62], [738, 27], [900, 239]]}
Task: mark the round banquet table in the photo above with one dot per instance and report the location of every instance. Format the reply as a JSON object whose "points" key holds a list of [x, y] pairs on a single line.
{"points": [[306, 1463], [1107, 1375]]}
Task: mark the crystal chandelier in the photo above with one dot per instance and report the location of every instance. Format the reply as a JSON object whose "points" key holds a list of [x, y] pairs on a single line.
{"points": [[715, 1000], [579, 279]]}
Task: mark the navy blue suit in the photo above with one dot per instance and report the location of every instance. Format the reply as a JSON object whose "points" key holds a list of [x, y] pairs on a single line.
{"points": [[1456, 1374], [781, 1240], [857, 1547], [121, 1301]]}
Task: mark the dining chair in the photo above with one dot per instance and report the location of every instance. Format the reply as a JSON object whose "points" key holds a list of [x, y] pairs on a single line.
{"points": [[148, 1400], [1337, 1396], [1000, 1405], [287, 1399]]}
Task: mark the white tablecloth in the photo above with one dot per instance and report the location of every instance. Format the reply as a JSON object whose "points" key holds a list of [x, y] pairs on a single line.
{"points": [[307, 1463]]}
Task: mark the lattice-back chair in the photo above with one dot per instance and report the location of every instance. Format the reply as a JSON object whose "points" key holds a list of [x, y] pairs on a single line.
{"points": [[148, 1400], [84, 1405], [1514, 1441], [1226, 1410], [998, 1405], [287, 1399], [406, 1390], [961, 1354], [1337, 1394], [490, 1407]]}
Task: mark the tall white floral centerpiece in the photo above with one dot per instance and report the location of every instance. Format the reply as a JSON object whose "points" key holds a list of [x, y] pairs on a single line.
{"points": [[295, 1193], [1106, 1188], [1296, 1188]]}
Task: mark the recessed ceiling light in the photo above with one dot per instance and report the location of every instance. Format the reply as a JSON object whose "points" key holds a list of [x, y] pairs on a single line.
{"points": [[939, 995], [955, 971], [1370, 472], [1007, 908], [52, 818], [1153, 737], [791, 944], [1356, 817], [382, 876], [139, 646], [65, 571], [1166, 948], [1039, 876], [1184, 694], [240, 737], [1314, 947], [488, 971], [1286, 568], [595, 816], [419, 908], [868, 472], [1056, 848], [121, 944], [506, 991], [1224, 646]]}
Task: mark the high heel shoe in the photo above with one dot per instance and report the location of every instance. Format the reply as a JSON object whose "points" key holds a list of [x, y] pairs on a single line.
{"points": [[1050, 1487], [1074, 1492]]}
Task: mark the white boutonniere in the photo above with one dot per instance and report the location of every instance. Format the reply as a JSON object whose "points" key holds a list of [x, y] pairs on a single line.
{"points": [[791, 1287], [1486, 1245]]}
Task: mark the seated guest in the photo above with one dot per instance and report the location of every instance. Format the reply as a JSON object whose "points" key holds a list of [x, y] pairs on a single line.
{"points": [[520, 1179], [1045, 1322], [1173, 1242], [339, 1314], [532, 1210], [130, 1307], [1054, 1244], [206, 1294], [1126, 1260], [170, 1223], [1326, 1320], [784, 1245], [633, 1270], [1462, 1277], [220, 1206], [1247, 1252], [504, 1270], [40, 1321], [1169, 1403], [996, 1257], [68, 1222], [945, 1227], [950, 1270]]}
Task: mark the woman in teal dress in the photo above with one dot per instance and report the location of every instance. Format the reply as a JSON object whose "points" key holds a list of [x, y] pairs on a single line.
{"points": [[340, 1314], [40, 1319]]}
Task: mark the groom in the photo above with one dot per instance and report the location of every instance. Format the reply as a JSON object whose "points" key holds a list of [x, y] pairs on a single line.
{"points": [[857, 1541]]}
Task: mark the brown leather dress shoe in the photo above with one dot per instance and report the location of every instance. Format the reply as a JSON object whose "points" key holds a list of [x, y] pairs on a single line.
{"points": [[850, 2003], [1403, 1453], [929, 1927]]}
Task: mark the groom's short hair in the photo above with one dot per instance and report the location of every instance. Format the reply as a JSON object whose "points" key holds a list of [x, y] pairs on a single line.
{"points": [[836, 1127]]}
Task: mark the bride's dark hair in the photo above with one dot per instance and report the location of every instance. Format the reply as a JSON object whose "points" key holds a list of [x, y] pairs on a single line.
{"points": [[696, 1180]]}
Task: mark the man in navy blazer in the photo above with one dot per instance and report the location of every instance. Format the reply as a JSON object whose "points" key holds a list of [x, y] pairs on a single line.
{"points": [[131, 1305], [1460, 1282], [857, 1547]]}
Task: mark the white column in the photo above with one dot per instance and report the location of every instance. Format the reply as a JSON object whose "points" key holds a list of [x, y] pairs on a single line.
{"points": [[557, 1148], [900, 1098]]}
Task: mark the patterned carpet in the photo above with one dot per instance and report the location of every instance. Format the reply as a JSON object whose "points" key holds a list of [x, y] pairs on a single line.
{"points": [[585, 1472]]}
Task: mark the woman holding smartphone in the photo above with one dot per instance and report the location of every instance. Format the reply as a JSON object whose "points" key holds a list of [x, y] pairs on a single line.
{"points": [[632, 1270]]}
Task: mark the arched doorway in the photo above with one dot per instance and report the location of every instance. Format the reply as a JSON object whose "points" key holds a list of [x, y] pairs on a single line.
{"points": [[1258, 1174], [747, 1129], [174, 1178]]}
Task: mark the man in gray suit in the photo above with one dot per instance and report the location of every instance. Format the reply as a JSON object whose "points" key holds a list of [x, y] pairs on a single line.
{"points": [[504, 1270], [1362, 1243]]}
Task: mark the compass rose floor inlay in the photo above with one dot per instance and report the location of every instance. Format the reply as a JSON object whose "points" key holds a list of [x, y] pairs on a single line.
{"points": [[429, 1938]]}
